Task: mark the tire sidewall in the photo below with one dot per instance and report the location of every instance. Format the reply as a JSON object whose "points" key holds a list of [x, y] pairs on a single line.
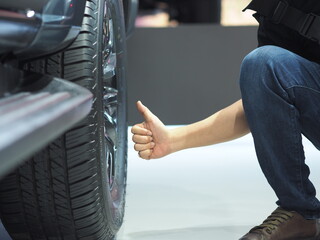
{"points": [[114, 209]]}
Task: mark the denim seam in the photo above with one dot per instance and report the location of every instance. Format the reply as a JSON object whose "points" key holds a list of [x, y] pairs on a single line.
{"points": [[305, 87], [315, 201], [295, 147]]}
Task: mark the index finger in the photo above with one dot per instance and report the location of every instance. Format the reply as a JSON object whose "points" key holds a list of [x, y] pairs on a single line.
{"points": [[139, 129]]}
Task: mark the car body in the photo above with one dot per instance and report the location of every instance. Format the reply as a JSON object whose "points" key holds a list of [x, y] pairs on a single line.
{"points": [[35, 28]]}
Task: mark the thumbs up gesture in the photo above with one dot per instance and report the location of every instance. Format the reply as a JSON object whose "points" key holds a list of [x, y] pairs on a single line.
{"points": [[151, 137]]}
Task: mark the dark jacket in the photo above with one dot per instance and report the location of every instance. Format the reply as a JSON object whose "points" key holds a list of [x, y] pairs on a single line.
{"points": [[270, 33]]}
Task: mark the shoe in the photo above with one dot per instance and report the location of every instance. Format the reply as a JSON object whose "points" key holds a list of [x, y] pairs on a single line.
{"points": [[285, 225]]}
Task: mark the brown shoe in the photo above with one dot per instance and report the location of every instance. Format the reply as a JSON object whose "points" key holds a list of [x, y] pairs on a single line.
{"points": [[285, 225]]}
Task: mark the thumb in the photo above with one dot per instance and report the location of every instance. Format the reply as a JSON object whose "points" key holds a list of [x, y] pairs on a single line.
{"points": [[145, 112]]}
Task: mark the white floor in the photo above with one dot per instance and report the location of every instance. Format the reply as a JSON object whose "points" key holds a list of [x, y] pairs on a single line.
{"points": [[215, 192]]}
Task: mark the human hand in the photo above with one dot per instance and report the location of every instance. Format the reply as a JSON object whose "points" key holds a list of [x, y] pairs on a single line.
{"points": [[151, 137]]}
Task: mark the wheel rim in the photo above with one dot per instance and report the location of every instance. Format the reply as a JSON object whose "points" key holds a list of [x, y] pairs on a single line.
{"points": [[110, 96]]}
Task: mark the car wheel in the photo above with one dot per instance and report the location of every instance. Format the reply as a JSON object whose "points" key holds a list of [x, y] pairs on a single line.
{"points": [[75, 188]]}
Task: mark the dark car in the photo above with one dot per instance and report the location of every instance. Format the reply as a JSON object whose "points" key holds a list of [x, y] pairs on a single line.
{"points": [[63, 124]]}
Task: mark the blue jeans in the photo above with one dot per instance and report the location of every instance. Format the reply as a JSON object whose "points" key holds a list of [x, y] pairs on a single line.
{"points": [[281, 98]]}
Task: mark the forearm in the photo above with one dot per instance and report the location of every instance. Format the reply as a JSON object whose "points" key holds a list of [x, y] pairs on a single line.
{"points": [[225, 125]]}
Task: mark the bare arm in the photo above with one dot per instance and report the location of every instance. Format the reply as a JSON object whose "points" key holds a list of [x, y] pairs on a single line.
{"points": [[225, 125], [153, 140]]}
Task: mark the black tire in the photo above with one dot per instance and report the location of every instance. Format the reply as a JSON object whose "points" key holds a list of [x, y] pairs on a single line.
{"points": [[75, 188]]}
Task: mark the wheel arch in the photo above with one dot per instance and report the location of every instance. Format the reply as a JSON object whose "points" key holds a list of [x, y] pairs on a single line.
{"points": [[130, 13]]}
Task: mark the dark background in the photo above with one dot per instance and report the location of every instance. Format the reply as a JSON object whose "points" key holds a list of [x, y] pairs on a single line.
{"points": [[186, 73], [185, 11]]}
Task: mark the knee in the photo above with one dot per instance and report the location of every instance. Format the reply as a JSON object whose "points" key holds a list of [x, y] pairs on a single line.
{"points": [[259, 67]]}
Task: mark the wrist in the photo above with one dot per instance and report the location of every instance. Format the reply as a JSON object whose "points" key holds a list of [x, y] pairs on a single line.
{"points": [[177, 140]]}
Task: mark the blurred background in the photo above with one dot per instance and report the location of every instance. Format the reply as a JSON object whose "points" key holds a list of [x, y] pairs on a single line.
{"points": [[186, 55], [170, 13]]}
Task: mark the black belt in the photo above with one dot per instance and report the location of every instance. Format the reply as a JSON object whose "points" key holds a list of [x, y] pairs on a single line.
{"points": [[280, 12]]}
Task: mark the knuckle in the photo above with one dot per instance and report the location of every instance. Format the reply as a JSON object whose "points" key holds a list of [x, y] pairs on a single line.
{"points": [[140, 139], [135, 147], [133, 138], [144, 139], [143, 154]]}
